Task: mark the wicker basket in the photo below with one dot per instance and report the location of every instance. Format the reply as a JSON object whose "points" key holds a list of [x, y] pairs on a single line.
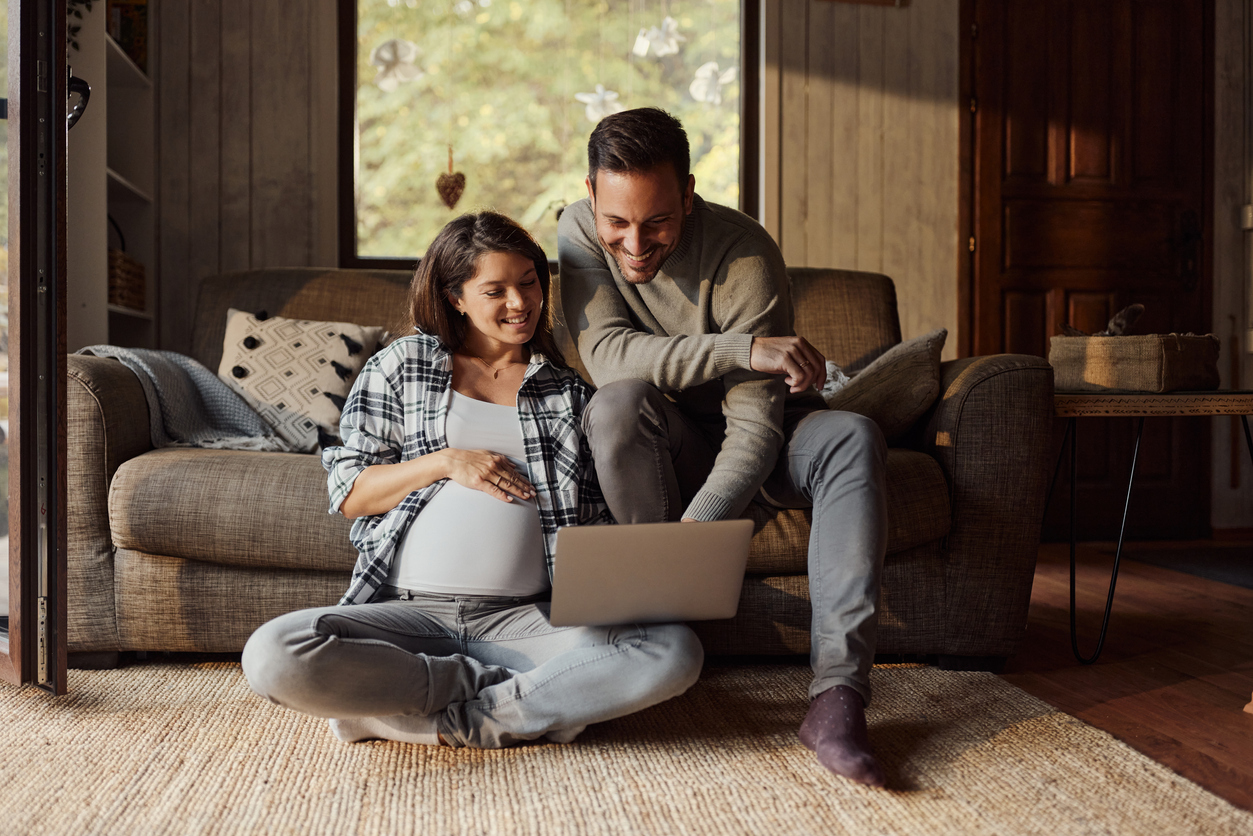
{"points": [[126, 281], [1147, 363]]}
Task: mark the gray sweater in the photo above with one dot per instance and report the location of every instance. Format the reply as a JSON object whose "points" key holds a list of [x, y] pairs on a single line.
{"points": [[689, 333]]}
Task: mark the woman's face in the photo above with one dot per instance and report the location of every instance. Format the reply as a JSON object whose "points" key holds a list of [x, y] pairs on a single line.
{"points": [[503, 300]]}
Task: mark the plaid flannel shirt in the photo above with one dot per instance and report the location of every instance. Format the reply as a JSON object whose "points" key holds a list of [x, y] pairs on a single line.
{"points": [[397, 411]]}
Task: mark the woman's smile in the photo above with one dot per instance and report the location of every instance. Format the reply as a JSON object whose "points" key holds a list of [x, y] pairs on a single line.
{"points": [[501, 303]]}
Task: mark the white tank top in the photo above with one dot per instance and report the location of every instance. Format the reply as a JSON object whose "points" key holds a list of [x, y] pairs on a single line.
{"points": [[465, 542]]}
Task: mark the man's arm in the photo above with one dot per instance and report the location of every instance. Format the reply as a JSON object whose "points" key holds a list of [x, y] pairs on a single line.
{"points": [[753, 408], [599, 321], [609, 341], [751, 295]]}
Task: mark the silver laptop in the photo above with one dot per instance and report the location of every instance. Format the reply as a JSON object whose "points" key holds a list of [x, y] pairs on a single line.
{"points": [[654, 572]]}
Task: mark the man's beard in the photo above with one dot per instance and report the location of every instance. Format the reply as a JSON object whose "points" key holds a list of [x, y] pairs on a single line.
{"points": [[632, 275]]}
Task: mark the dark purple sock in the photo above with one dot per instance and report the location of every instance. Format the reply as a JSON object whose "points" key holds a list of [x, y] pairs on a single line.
{"points": [[835, 729]]}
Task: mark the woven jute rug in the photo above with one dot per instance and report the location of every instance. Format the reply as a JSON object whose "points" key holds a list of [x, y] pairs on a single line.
{"points": [[187, 748]]}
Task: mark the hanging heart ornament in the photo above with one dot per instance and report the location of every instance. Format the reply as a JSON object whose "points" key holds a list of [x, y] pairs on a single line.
{"points": [[451, 185]]}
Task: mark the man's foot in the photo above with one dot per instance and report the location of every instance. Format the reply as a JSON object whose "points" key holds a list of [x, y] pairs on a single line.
{"points": [[835, 729]]}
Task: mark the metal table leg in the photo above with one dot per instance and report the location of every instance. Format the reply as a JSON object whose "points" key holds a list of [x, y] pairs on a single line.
{"points": [[1122, 531], [1248, 438]]}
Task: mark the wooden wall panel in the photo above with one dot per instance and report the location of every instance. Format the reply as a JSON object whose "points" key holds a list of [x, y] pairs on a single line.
{"points": [[235, 152], [176, 296], [840, 229], [205, 124], [900, 157], [819, 119], [280, 133], [868, 250], [863, 145], [323, 143], [793, 99], [246, 133]]}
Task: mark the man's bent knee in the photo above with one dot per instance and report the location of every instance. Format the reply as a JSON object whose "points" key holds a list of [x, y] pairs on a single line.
{"points": [[621, 408], [840, 428]]}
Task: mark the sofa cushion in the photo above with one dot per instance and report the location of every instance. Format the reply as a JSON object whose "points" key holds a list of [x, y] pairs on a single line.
{"points": [[918, 512], [296, 373], [186, 605], [262, 510]]}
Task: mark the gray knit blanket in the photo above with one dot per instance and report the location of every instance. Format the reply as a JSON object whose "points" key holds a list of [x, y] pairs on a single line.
{"points": [[188, 406]]}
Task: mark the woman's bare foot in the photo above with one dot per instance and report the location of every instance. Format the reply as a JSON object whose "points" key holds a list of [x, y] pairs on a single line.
{"points": [[835, 729]]}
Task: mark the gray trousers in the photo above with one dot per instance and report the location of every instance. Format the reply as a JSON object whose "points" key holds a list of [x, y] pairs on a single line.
{"points": [[492, 671], [651, 458]]}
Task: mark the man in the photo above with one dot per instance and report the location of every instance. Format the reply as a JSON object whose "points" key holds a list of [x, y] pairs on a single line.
{"points": [[681, 312]]}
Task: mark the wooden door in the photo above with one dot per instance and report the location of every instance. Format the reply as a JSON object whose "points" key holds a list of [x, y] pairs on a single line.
{"points": [[1090, 159], [32, 346]]}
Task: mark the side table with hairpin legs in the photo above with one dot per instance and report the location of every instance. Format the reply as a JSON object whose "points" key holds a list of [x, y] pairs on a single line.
{"points": [[1076, 405]]}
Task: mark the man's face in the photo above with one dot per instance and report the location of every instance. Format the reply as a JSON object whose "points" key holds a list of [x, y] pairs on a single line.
{"points": [[639, 217]]}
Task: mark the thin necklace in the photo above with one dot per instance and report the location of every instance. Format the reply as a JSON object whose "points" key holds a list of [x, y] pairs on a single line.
{"points": [[496, 372]]}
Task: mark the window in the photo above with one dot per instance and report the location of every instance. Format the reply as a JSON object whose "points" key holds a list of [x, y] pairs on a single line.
{"points": [[490, 102]]}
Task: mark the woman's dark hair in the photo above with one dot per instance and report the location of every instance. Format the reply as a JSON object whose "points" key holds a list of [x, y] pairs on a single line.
{"points": [[638, 140], [452, 260]]}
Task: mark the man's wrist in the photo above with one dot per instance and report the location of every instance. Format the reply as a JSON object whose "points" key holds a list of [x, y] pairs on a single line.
{"points": [[707, 507], [732, 352]]}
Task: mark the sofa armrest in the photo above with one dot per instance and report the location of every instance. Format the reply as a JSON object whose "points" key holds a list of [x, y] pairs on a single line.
{"points": [[991, 432], [107, 416]]}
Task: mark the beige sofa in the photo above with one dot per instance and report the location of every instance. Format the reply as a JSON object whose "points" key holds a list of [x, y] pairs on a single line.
{"points": [[191, 549]]}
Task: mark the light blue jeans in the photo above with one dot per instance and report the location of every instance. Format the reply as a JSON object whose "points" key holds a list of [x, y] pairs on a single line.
{"points": [[492, 671]]}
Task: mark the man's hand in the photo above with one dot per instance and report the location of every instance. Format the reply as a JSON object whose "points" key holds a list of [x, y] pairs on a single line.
{"points": [[793, 357]]}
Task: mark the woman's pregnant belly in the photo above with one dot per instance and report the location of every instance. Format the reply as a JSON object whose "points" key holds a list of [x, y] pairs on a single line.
{"points": [[469, 543]]}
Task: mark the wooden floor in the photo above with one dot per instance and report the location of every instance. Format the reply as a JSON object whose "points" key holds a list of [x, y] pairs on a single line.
{"points": [[1176, 671]]}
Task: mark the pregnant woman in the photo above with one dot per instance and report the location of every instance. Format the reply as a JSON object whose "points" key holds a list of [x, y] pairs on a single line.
{"points": [[462, 455]]}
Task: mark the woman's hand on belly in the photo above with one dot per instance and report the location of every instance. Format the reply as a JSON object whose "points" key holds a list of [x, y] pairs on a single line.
{"points": [[483, 470], [380, 487]]}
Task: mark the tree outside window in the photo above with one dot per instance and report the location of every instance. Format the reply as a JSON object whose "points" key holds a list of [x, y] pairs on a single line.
{"points": [[514, 88]]}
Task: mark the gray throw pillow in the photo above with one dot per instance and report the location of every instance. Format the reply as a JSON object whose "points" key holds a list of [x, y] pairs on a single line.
{"points": [[898, 387]]}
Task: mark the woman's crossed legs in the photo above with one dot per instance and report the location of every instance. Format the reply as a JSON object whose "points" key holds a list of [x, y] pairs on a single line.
{"points": [[482, 672]]}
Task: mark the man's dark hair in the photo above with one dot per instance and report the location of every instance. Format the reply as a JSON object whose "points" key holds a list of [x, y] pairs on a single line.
{"points": [[453, 259], [638, 140]]}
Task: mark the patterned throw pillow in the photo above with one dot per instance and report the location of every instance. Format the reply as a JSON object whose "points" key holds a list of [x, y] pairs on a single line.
{"points": [[296, 372]]}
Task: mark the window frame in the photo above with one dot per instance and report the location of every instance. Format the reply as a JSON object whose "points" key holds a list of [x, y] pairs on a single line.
{"points": [[346, 222]]}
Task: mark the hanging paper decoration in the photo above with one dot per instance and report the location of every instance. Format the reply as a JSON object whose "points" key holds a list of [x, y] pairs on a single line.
{"points": [[661, 41], [599, 104], [708, 84], [397, 62], [450, 186]]}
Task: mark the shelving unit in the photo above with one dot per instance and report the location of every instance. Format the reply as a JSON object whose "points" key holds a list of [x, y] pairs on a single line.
{"points": [[130, 184], [112, 175]]}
